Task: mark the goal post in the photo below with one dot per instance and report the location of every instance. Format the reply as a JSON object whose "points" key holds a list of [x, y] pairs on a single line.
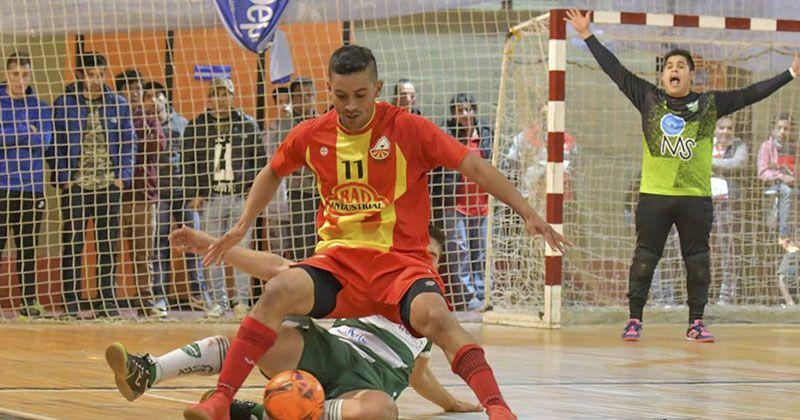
{"points": [[572, 143]]}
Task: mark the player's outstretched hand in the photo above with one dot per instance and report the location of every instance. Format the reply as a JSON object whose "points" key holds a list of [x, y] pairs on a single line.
{"points": [[186, 239], [796, 64], [537, 226], [464, 407], [218, 249], [579, 22]]}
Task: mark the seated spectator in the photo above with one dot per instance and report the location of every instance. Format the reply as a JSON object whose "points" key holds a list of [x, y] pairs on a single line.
{"points": [[27, 132], [778, 175], [729, 159], [172, 203], [93, 161]]}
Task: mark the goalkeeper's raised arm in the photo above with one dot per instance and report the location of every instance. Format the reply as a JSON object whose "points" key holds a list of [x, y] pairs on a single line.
{"points": [[634, 87]]}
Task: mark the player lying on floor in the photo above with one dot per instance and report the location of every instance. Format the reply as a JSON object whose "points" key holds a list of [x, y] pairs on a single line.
{"points": [[363, 364]]}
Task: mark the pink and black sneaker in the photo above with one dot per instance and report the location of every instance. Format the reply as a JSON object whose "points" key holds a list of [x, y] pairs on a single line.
{"points": [[632, 331], [697, 332]]}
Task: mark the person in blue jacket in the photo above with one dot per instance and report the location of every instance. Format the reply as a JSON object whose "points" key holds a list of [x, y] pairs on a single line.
{"points": [[93, 158], [26, 133]]}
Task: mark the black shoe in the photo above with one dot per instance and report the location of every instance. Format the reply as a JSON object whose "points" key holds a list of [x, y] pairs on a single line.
{"points": [[241, 409], [108, 309], [132, 373], [71, 311]]}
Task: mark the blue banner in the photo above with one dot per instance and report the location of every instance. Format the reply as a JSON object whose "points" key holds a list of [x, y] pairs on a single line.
{"points": [[251, 22], [208, 72]]}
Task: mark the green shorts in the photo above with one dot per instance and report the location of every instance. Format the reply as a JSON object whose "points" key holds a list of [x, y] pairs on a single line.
{"points": [[340, 368]]}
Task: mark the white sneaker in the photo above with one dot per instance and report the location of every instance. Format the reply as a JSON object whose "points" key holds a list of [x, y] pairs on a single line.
{"points": [[216, 311], [240, 310]]}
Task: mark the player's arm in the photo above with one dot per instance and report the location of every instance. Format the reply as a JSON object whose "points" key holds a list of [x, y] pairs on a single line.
{"points": [[263, 265], [481, 172], [632, 86], [731, 101], [425, 383], [261, 192]]}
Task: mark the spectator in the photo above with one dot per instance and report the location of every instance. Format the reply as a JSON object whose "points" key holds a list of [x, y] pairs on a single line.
{"points": [[300, 186], [223, 153], [283, 101], [405, 96], [26, 132], [139, 199], [172, 204], [777, 173], [471, 202], [93, 160], [729, 158], [278, 217]]}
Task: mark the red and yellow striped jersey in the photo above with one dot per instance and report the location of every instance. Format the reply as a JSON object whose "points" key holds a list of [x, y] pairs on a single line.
{"points": [[373, 183]]}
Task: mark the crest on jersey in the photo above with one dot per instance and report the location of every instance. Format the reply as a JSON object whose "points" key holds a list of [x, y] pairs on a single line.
{"points": [[380, 150]]}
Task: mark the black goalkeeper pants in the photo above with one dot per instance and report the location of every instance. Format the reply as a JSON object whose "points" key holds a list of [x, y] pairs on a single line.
{"points": [[655, 216]]}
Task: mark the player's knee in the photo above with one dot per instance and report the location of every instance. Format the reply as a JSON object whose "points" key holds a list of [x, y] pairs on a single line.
{"points": [[285, 295], [643, 265], [376, 405], [431, 319], [698, 267]]}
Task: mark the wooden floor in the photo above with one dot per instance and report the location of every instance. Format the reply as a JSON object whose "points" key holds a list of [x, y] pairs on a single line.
{"points": [[58, 371]]}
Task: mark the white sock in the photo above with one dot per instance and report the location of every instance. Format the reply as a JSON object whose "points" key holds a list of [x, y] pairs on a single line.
{"points": [[202, 357], [333, 409]]}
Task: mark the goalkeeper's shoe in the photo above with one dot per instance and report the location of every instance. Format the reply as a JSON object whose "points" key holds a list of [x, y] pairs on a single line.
{"points": [[632, 331], [500, 412], [133, 374], [697, 332], [242, 409]]}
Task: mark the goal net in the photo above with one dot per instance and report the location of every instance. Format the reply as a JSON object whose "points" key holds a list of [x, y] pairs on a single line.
{"points": [[602, 152], [89, 239]]}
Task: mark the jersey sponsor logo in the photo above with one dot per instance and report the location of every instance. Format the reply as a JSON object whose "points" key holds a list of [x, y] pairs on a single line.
{"points": [[672, 141], [380, 150], [354, 198], [323, 151]]}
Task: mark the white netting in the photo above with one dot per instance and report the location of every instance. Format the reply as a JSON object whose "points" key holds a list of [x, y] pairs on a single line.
{"points": [[96, 247], [603, 157]]}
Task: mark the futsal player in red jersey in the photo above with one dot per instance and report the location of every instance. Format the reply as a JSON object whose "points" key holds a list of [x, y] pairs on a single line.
{"points": [[371, 162]]}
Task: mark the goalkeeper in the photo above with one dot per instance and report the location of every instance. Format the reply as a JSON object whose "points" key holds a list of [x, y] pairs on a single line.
{"points": [[678, 126]]}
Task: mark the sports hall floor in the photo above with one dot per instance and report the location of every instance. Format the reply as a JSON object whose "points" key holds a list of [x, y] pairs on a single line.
{"points": [[753, 371]]}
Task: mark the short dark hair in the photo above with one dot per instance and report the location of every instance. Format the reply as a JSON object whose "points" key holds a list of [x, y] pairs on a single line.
{"points": [[153, 85], [401, 81], [463, 98], [277, 91], [436, 234], [126, 77], [299, 82], [21, 59], [91, 59], [681, 52], [352, 59], [782, 117]]}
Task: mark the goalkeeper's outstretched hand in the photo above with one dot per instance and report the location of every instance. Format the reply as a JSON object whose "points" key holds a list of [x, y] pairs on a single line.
{"points": [[535, 225], [796, 64], [580, 22]]}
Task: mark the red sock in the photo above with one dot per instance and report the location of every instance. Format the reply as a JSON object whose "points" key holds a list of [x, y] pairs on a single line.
{"points": [[252, 340], [470, 364]]}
